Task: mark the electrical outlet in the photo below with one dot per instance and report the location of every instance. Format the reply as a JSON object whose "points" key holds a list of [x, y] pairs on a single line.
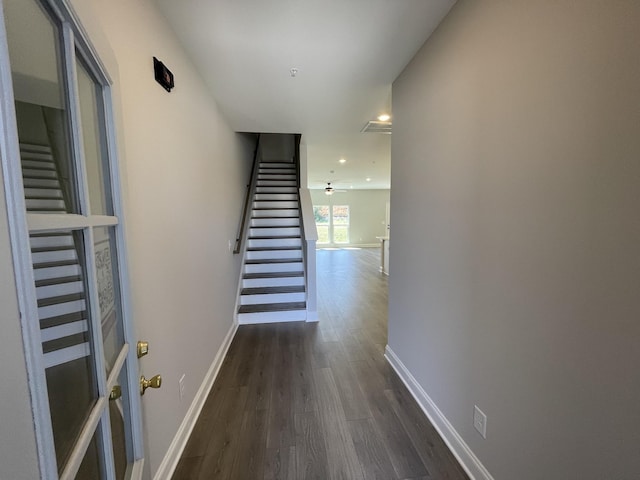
{"points": [[480, 421], [181, 385]]}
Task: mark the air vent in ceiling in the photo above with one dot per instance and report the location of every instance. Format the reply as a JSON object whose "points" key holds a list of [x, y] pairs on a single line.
{"points": [[376, 127]]}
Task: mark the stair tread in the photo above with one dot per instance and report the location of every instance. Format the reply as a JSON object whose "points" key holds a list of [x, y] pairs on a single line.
{"points": [[46, 209], [50, 234], [272, 307], [271, 249], [61, 263], [52, 249], [272, 290], [274, 226], [274, 208], [58, 281], [258, 261], [292, 216], [273, 237], [63, 319], [273, 275], [72, 297]]}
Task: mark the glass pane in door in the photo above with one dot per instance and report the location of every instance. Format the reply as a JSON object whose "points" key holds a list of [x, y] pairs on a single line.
{"points": [[108, 293], [91, 468], [94, 141], [65, 329], [34, 42], [118, 411]]}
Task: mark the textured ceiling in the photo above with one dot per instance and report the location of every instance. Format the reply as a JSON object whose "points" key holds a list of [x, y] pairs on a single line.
{"points": [[347, 53]]}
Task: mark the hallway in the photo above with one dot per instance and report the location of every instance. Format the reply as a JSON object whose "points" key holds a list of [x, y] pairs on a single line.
{"points": [[298, 401]]}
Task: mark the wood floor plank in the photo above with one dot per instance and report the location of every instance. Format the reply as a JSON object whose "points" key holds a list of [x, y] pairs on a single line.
{"points": [[280, 464], [371, 451], [311, 453], [341, 454]]}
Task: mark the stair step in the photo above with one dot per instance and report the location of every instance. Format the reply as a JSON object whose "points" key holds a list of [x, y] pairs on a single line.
{"points": [[272, 290], [260, 218], [271, 249], [72, 297], [273, 237], [58, 281], [33, 147], [259, 261], [40, 167], [63, 319], [52, 249], [273, 275], [272, 307], [62, 263]]}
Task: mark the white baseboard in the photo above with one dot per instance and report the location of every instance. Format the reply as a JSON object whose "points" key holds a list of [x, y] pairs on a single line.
{"points": [[172, 457], [454, 441]]}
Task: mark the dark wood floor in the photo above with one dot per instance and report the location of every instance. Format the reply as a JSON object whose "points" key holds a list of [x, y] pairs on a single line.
{"points": [[301, 401]]}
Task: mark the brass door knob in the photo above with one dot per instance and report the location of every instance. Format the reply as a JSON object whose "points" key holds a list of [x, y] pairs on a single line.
{"points": [[153, 382], [116, 392]]}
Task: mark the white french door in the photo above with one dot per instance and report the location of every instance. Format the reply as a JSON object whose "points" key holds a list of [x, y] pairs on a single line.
{"points": [[61, 178]]}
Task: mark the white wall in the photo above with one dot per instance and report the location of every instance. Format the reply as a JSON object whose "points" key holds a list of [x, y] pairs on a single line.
{"points": [[184, 172], [516, 240], [366, 210]]}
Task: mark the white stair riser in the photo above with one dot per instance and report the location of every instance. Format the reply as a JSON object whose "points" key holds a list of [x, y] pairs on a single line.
{"points": [[272, 317], [61, 309], [280, 222], [272, 298], [44, 158], [276, 183], [283, 171], [276, 165], [267, 254], [53, 241], [290, 177], [36, 163], [292, 197], [49, 203], [276, 189], [49, 291], [39, 173], [275, 242], [54, 256], [34, 182], [275, 204], [273, 267], [267, 231], [272, 282], [41, 192], [56, 272], [60, 331], [289, 212]]}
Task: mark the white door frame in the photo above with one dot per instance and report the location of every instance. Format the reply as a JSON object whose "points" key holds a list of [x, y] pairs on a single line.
{"points": [[20, 224]]}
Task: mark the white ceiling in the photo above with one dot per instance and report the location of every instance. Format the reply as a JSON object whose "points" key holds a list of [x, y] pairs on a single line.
{"points": [[347, 52]]}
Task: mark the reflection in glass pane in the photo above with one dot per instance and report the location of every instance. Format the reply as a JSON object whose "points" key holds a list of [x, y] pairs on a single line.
{"points": [[41, 108], [63, 315], [118, 409], [108, 293], [94, 142], [90, 468]]}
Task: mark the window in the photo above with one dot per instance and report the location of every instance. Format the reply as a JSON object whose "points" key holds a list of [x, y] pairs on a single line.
{"points": [[321, 213], [332, 223]]}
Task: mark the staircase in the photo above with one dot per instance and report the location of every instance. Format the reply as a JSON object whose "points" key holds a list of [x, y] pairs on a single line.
{"points": [[273, 282], [56, 267]]}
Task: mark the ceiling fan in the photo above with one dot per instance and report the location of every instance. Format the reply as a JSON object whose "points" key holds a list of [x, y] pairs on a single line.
{"points": [[329, 190]]}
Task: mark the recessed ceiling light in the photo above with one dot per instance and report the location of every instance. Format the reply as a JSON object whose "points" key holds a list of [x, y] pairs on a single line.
{"points": [[342, 160], [368, 179], [384, 117]]}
